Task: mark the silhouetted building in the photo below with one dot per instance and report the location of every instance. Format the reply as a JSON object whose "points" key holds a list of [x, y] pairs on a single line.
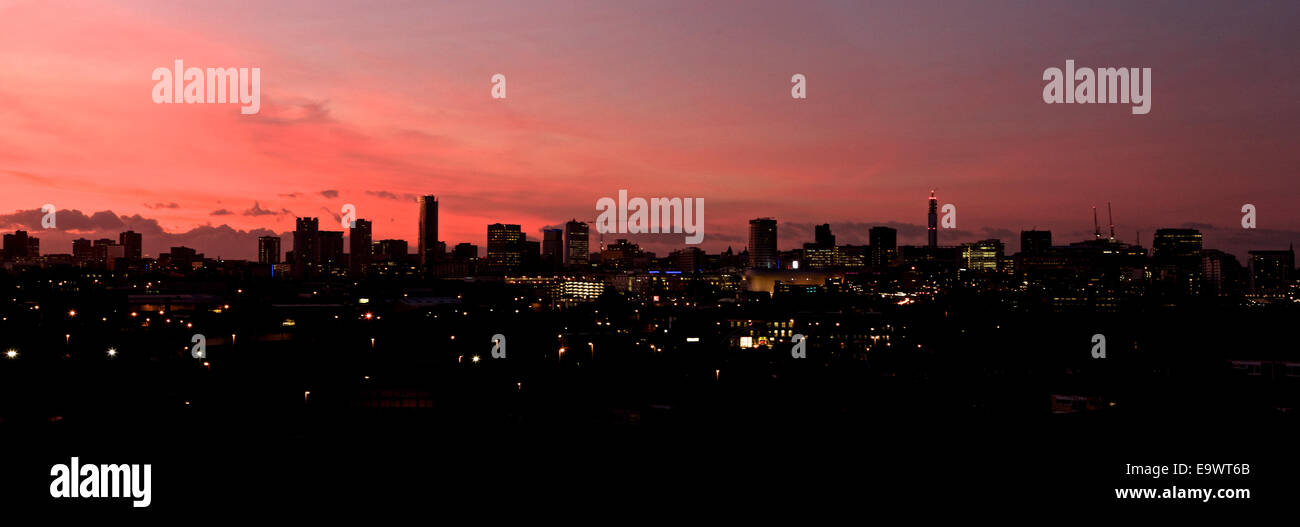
{"points": [[82, 249], [1221, 274], [687, 260], [17, 245], [359, 245], [621, 254], [268, 250], [306, 247], [428, 235], [465, 252], [1176, 257], [1035, 242], [576, 248], [823, 235], [762, 243], [884, 246], [331, 250], [391, 250], [1271, 271], [183, 259], [132, 244]]}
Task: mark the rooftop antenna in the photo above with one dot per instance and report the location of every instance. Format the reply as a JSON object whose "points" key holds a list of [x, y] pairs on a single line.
{"points": [[1111, 219], [1096, 226]]}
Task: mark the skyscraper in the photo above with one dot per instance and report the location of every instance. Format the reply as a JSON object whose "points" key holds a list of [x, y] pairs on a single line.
{"points": [[505, 247], [762, 243], [934, 220], [359, 245], [306, 246], [823, 235], [1176, 257], [131, 242], [331, 249], [428, 231], [576, 250], [884, 245], [268, 250]]}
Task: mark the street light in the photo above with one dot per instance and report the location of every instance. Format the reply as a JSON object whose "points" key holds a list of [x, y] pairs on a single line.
{"points": [[112, 352]]}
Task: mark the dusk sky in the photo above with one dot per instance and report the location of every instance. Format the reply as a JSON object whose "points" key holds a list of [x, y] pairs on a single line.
{"points": [[372, 103]]}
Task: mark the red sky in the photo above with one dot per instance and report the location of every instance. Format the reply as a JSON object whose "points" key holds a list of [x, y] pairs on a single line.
{"points": [[371, 99]]}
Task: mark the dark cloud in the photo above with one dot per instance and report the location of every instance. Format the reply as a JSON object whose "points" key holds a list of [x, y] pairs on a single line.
{"points": [[384, 194], [257, 210], [290, 195], [213, 241], [221, 212], [330, 193], [162, 206], [338, 218]]}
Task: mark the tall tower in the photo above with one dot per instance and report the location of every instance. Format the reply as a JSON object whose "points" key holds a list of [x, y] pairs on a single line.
{"points": [[428, 241], [934, 220], [359, 245], [306, 246], [131, 240], [268, 250], [762, 244], [576, 249]]}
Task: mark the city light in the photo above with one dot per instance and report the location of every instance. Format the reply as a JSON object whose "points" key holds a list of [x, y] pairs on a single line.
{"points": [[12, 353], [112, 352]]}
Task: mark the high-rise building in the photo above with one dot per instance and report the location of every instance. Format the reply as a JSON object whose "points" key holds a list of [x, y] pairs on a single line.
{"points": [[359, 245], [1035, 242], [1220, 273], [16, 245], [823, 235], [552, 247], [268, 250], [505, 247], [1176, 258], [985, 255], [331, 250], [1271, 271], [934, 221], [1177, 248], [306, 246], [884, 245], [427, 245], [131, 243], [762, 243], [576, 249], [82, 249]]}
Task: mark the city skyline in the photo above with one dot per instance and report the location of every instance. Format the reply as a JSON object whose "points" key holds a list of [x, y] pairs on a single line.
{"points": [[889, 114], [905, 234]]}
